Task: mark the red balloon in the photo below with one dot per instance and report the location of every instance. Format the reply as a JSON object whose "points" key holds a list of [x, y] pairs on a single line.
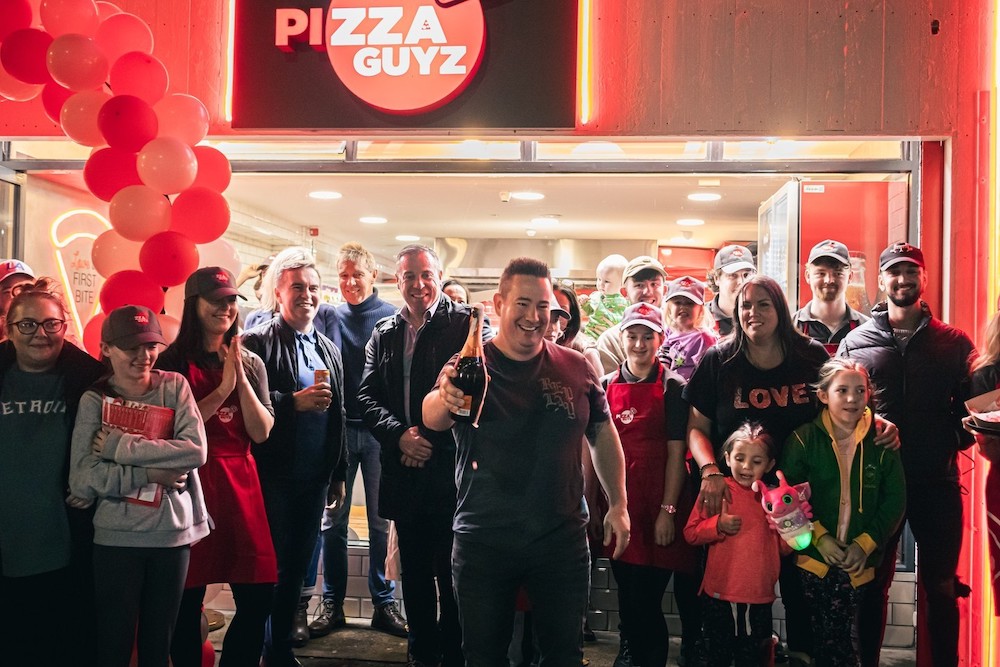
{"points": [[113, 253], [78, 117], [138, 211], [140, 74], [106, 9], [65, 16], [167, 165], [201, 214], [16, 90], [14, 15], [74, 61], [109, 170], [214, 170], [53, 98], [168, 258], [92, 335], [121, 33], [23, 54], [127, 122], [131, 287], [182, 117]]}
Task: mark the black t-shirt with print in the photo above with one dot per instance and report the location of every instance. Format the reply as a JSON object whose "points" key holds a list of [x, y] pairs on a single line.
{"points": [[519, 474]]}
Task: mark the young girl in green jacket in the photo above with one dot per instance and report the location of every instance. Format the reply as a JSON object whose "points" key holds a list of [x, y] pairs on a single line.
{"points": [[858, 499]]}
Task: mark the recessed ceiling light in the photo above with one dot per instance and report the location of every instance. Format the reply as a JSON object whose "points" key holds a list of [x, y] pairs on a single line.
{"points": [[527, 196], [704, 196], [407, 238], [709, 182], [373, 220], [325, 194], [545, 221], [690, 222]]}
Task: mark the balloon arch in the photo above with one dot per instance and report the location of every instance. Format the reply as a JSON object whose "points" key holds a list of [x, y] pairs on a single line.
{"points": [[93, 67]]}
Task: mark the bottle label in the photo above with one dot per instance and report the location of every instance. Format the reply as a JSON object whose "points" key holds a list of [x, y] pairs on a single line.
{"points": [[466, 409]]}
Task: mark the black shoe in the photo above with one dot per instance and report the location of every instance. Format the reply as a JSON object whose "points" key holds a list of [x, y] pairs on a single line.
{"points": [[588, 634], [331, 617], [624, 657], [387, 619], [691, 655], [300, 626]]}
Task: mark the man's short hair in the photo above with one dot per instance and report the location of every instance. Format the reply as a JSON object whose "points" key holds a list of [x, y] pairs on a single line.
{"points": [[357, 253], [416, 249], [523, 266]]}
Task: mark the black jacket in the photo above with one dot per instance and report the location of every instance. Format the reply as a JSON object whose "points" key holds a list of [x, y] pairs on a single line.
{"points": [[408, 492], [921, 389], [274, 342]]}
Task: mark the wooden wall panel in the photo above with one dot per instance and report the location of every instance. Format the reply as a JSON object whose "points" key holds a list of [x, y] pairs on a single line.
{"points": [[864, 74]]}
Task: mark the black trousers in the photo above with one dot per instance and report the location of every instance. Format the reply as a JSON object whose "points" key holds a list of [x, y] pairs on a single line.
{"points": [[736, 631], [244, 637], [640, 606]]}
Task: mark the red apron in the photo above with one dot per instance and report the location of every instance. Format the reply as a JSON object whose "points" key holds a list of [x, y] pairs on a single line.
{"points": [[239, 548], [638, 412], [993, 528]]}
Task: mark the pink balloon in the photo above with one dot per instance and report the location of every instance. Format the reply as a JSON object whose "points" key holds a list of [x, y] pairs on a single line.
{"points": [[112, 253], [121, 33], [16, 90], [173, 301], [65, 16], [23, 54], [109, 170], [138, 211], [131, 287], [127, 122], [182, 117], [106, 9], [200, 214], [168, 258], [140, 74], [220, 253], [170, 326], [167, 165], [214, 170], [75, 62], [54, 97], [14, 15], [78, 117]]}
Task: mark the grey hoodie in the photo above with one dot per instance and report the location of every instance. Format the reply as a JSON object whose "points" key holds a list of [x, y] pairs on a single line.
{"points": [[120, 469]]}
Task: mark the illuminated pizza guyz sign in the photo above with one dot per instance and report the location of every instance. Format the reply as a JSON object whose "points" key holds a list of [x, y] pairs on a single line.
{"points": [[399, 56]]}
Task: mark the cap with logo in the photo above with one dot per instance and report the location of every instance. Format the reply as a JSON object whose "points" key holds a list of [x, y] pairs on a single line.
{"points": [[212, 283], [900, 252], [641, 263], [130, 326], [687, 287], [642, 314], [834, 250], [13, 267], [733, 258]]}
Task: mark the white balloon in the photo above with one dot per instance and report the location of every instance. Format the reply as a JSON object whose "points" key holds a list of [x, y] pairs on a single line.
{"points": [[220, 253]]}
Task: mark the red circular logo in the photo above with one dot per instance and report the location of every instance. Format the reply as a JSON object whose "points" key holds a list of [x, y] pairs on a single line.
{"points": [[405, 56]]}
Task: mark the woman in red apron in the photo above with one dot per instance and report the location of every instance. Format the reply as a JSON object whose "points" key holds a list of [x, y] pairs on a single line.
{"points": [[651, 418], [230, 385], [986, 378]]}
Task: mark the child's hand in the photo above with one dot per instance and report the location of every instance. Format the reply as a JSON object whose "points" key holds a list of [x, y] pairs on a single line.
{"points": [[97, 446], [729, 524], [664, 530], [831, 549], [854, 559]]}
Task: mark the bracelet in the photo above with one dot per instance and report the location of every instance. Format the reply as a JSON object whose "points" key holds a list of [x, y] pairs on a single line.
{"points": [[669, 509], [712, 474], [701, 470]]}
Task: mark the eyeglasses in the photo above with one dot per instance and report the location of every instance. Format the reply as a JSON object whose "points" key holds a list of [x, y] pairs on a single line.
{"points": [[28, 327]]}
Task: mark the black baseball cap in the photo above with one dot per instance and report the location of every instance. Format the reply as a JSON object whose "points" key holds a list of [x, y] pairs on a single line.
{"points": [[212, 283], [835, 250], [130, 326], [900, 252]]}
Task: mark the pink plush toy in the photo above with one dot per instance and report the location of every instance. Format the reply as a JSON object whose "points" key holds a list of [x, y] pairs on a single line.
{"points": [[788, 510]]}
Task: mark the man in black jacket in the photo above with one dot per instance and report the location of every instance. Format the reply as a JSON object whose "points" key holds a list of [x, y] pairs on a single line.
{"points": [[417, 487], [919, 367], [301, 465]]}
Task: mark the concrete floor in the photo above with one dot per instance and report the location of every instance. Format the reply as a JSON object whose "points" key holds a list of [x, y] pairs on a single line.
{"points": [[358, 645]]}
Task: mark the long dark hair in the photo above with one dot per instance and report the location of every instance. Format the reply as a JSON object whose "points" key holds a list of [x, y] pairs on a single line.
{"points": [[789, 337], [190, 341], [573, 326]]}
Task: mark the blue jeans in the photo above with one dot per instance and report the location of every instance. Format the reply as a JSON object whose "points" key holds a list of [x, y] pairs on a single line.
{"points": [[555, 572], [362, 450]]}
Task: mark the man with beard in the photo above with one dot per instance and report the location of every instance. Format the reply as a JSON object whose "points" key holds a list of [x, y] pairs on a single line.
{"points": [[919, 367], [828, 318]]}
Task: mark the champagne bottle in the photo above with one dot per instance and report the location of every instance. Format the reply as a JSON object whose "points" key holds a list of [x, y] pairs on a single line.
{"points": [[472, 377]]}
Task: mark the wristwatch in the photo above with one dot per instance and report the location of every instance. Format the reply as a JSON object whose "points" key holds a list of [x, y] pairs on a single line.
{"points": [[669, 509]]}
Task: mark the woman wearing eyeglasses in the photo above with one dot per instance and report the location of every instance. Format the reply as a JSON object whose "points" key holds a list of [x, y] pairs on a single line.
{"points": [[45, 533]]}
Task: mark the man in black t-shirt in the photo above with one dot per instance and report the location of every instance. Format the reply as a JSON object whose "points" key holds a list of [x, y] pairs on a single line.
{"points": [[521, 519]]}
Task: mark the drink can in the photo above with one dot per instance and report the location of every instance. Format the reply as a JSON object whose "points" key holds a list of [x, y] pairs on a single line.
{"points": [[321, 375]]}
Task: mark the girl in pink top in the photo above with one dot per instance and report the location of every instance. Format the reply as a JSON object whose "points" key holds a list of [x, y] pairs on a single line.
{"points": [[743, 557]]}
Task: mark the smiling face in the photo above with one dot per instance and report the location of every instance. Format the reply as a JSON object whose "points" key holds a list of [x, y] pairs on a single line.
{"points": [[846, 397], [730, 283], [134, 365], [39, 351], [218, 316], [641, 344], [297, 294], [419, 282], [357, 281], [827, 279], [903, 283], [758, 314], [749, 461], [683, 313], [645, 287], [557, 319], [524, 316]]}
